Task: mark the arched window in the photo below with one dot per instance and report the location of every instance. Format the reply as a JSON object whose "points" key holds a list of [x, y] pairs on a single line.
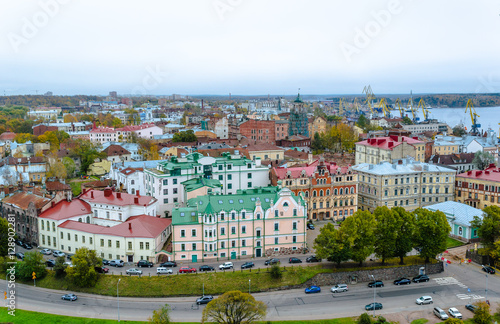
{"points": [[335, 192], [307, 194], [88, 219], [314, 193], [341, 191], [328, 192], [352, 190], [80, 219], [321, 193]]}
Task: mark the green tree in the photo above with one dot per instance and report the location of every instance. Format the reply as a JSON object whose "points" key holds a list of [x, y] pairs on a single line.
{"points": [[488, 228], [88, 153], [57, 169], [362, 121], [432, 230], [60, 267], [385, 232], [482, 160], [452, 320], [364, 319], [24, 137], [4, 236], [404, 233], [317, 143], [161, 316], [407, 121], [186, 136], [482, 314], [276, 272], [458, 130], [234, 307], [70, 166], [359, 229], [332, 244], [33, 262], [83, 273]]}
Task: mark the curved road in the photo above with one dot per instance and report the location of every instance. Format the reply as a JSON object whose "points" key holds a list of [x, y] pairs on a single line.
{"points": [[450, 288]]}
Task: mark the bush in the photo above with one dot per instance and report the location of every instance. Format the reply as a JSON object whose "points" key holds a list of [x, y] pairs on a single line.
{"points": [[482, 314], [276, 272], [364, 319], [32, 262], [60, 268]]}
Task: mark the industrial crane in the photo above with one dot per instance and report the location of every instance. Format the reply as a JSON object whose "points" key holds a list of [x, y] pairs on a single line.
{"points": [[421, 104], [369, 97], [356, 105], [341, 108], [398, 104], [473, 116], [383, 106]]}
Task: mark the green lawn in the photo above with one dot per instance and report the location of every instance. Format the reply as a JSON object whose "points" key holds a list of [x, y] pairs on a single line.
{"points": [[420, 321], [451, 243], [23, 316]]}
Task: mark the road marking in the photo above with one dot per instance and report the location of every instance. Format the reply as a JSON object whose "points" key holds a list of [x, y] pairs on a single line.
{"points": [[449, 281], [469, 296]]}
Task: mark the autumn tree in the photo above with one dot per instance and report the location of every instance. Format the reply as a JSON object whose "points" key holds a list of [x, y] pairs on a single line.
{"points": [[332, 244], [57, 169], [88, 152], [432, 230], [83, 273], [68, 118], [186, 136], [359, 229], [458, 130], [234, 307], [70, 166], [24, 137], [161, 316], [482, 314]]}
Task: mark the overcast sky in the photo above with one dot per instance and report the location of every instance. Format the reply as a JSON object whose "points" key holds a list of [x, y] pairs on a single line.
{"points": [[249, 46]]}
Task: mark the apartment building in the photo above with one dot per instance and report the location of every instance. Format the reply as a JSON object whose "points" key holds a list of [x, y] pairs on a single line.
{"points": [[234, 172], [479, 188], [406, 183], [252, 223], [103, 134], [329, 190], [317, 125], [427, 127], [387, 149]]}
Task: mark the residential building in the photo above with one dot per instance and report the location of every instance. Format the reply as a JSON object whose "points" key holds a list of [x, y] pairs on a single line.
{"points": [[265, 152], [329, 190], [250, 223], [479, 188], [45, 114], [132, 180], [259, 131], [460, 161], [29, 169], [222, 128], [116, 153], [428, 127], [281, 129], [296, 141], [406, 183], [103, 134], [233, 171], [459, 217], [387, 149], [317, 125]]}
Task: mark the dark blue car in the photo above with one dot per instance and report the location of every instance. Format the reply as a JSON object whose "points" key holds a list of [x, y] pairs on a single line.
{"points": [[313, 289]]}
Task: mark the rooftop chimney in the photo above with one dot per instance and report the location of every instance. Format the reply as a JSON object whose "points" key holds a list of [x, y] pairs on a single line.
{"points": [[137, 193], [130, 226], [92, 194], [108, 192], [136, 200], [53, 203], [118, 195]]}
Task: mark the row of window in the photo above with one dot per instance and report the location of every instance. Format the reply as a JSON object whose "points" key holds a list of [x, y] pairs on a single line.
{"points": [[336, 203], [213, 246], [415, 191], [212, 233], [402, 180], [341, 191]]}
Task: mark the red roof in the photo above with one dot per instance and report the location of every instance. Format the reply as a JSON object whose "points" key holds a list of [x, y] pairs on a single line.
{"points": [[490, 174], [109, 197], [67, 209], [136, 226], [388, 143], [56, 186], [132, 128], [7, 136], [296, 171], [23, 199], [130, 170]]}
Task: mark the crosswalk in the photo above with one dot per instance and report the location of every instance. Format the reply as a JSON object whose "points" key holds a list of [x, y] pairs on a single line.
{"points": [[445, 281]]}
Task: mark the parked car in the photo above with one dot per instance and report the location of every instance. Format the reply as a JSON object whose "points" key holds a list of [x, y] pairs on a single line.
{"points": [[402, 281], [313, 258], [68, 264], [424, 300], [313, 289], [19, 242], [162, 270], [69, 256], [376, 283], [204, 300], [373, 306], [101, 270], [488, 269], [145, 263], [226, 265], [20, 255], [50, 263], [421, 278], [294, 260], [206, 268], [116, 263], [169, 264], [272, 261], [471, 307], [27, 246], [441, 314], [105, 262], [187, 270], [71, 297], [58, 253], [46, 251], [339, 288], [310, 226], [132, 271], [455, 313], [247, 265]]}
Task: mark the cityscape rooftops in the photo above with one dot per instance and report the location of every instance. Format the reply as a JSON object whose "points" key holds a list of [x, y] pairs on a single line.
{"points": [[116, 198], [404, 166], [390, 142], [492, 173]]}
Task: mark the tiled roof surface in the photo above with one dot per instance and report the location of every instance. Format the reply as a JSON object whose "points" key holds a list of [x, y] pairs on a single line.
{"points": [[125, 200], [263, 147], [388, 143], [56, 186], [490, 174], [67, 209], [113, 150], [23, 199]]}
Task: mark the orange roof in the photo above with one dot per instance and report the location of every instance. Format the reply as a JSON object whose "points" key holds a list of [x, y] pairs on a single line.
{"points": [[23, 199], [67, 209]]}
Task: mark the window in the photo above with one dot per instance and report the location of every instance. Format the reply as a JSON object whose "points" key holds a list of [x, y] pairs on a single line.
{"points": [[165, 200], [183, 247], [193, 232], [165, 182], [174, 181], [222, 231], [294, 225], [276, 240], [386, 182], [107, 214], [102, 242], [276, 213], [130, 245], [243, 243], [249, 176], [258, 215], [43, 228], [221, 177], [141, 245], [76, 238], [294, 239], [229, 186], [233, 230], [83, 239], [69, 237], [233, 244], [194, 246], [276, 226], [117, 244], [62, 235], [222, 245], [243, 215], [109, 243], [243, 229], [183, 233], [249, 185], [294, 212], [175, 191], [222, 216], [220, 167], [233, 215]]}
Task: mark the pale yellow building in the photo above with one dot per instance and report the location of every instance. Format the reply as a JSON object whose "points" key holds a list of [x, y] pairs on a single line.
{"points": [[380, 149], [265, 152], [318, 125]]}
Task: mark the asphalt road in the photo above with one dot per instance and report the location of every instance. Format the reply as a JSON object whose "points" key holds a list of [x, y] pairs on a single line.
{"points": [[448, 289]]}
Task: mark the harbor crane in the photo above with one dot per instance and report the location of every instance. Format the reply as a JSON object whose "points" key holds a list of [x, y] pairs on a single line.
{"points": [[369, 97], [473, 116], [425, 111], [383, 106], [398, 104]]}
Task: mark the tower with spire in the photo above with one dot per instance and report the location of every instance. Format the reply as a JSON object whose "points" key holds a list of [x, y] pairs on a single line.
{"points": [[298, 122]]}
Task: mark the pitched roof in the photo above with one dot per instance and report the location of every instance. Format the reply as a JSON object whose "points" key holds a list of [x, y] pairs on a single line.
{"points": [[98, 196], [113, 150], [459, 213], [133, 128], [56, 186], [7, 136], [451, 159], [389, 143], [263, 147], [490, 174], [23, 199], [67, 209], [136, 226], [129, 170]]}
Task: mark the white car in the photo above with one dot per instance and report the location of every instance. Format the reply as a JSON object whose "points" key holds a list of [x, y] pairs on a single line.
{"points": [[68, 264], [161, 270], [339, 288], [134, 271], [226, 265], [58, 253], [455, 313], [46, 251], [424, 300]]}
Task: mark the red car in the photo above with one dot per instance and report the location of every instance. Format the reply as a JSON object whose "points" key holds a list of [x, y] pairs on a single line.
{"points": [[187, 270], [105, 270]]}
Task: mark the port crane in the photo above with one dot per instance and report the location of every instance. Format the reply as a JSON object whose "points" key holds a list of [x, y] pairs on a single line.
{"points": [[369, 97], [341, 107], [473, 116], [398, 104], [383, 106], [425, 111]]}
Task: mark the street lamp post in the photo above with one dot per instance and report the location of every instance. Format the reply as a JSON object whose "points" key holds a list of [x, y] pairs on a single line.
{"points": [[249, 286], [374, 293], [118, 298], [486, 288]]}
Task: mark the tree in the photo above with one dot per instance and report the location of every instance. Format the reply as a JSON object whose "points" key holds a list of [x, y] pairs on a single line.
{"points": [[482, 314], [407, 121], [24, 137], [452, 320], [4, 236], [68, 118], [70, 166], [60, 267], [276, 272], [83, 273], [234, 307], [362, 121], [317, 143], [359, 229], [88, 153], [332, 244], [482, 160], [57, 169], [488, 228], [364, 319], [187, 136], [385, 232], [458, 130], [33, 262], [404, 233], [161, 316], [432, 230]]}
